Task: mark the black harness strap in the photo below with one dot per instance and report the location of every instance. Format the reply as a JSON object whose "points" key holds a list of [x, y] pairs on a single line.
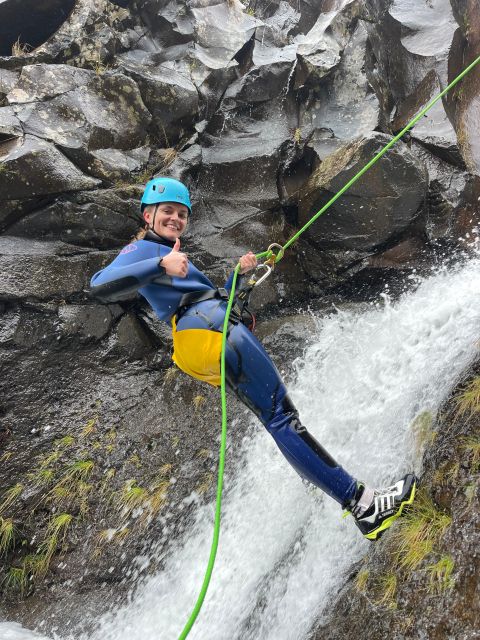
{"points": [[239, 313]]}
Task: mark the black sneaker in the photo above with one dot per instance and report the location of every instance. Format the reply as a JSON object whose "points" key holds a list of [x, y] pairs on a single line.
{"points": [[376, 509]]}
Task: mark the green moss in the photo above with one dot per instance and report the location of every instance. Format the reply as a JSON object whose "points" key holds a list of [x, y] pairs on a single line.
{"points": [[422, 429]]}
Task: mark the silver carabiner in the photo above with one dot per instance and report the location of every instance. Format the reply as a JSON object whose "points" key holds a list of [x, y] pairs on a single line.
{"points": [[265, 275]]}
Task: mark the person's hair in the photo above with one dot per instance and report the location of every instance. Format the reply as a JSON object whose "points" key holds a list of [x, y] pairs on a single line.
{"points": [[141, 233]]}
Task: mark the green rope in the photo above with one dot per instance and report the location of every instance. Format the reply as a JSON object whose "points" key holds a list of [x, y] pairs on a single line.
{"points": [[221, 466], [268, 254]]}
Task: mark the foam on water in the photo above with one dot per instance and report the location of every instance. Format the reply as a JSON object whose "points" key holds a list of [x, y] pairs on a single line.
{"points": [[284, 549]]}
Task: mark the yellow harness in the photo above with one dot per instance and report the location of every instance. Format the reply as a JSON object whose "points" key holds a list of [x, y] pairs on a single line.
{"points": [[197, 353]]}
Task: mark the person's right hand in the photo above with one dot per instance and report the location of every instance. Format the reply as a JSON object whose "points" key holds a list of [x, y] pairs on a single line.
{"points": [[175, 263]]}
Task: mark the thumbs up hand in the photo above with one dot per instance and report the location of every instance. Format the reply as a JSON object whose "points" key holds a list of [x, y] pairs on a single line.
{"points": [[176, 263]]}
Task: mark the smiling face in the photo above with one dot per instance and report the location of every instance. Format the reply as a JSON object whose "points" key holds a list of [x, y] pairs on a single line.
{"points": [[170, 221]]}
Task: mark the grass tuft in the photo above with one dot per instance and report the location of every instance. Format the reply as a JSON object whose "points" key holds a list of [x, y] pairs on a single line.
{"points": [[131, 497], [7, 535], [198, 402], [20, 49], [441, 575], [387, 585], [55, 536], [471, 445], [361, 580], [10, 496], [16, 579], [90, 427], [65, 442], [467, 403], [206, 483], [417, 532]]}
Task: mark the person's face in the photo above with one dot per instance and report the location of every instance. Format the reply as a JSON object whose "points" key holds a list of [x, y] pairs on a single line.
{"points": [[170, 221]]}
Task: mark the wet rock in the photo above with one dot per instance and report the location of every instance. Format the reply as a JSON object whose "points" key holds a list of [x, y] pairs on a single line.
{"points": [[434, 130], [466, 94], [42, 270], [105, 112], [221, 30], [33, 167], [345, 106], [252, 149], [130, 339], [99, 219], [267, 80], [407, 40], [445, 196], [87, 321], [319, 50], [407, 253], [427, 28], [8, 79], [374, 208], [171, 98]]}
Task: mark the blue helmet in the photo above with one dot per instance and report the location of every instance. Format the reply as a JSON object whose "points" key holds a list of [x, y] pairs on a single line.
{"points": [[165, 190]]}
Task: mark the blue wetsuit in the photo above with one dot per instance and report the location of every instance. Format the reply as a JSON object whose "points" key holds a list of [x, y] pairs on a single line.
{"points": [[250, 372]]}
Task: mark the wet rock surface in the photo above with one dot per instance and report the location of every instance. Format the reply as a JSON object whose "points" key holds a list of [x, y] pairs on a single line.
{"points": [[265, 110]]}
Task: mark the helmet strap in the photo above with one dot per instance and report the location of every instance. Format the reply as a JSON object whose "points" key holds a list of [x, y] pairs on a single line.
{"points": [[152, 226]]}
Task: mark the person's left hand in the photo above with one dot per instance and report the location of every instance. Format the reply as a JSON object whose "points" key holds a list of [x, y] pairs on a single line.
{"points": [[247, 262]]}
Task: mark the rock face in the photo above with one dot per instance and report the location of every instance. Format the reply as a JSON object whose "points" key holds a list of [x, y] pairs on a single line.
{"points": [[265, 110], [372, 211]]}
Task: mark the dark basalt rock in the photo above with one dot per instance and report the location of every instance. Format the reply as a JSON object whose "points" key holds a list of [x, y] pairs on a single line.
{"points": [[466, 96], [171, 98], [85, 115], [373, 209], [43, 270], [345, 106], [8, 79], [434, 130], [33, 167], [100, 219]]}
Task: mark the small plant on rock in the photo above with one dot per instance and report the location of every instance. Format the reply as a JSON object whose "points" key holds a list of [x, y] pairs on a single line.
{"points": [[441, 575], [467, 403], [417, 532]]}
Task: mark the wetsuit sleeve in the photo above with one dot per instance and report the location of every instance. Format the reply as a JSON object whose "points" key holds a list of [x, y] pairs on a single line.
{"points": [[119, 280]]}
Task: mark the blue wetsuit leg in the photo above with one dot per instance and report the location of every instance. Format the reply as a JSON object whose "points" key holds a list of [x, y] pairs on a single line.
{"points": [[256, 381]]}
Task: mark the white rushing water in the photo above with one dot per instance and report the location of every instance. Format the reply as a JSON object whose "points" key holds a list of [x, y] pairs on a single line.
{"points": [[284, 549]]}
